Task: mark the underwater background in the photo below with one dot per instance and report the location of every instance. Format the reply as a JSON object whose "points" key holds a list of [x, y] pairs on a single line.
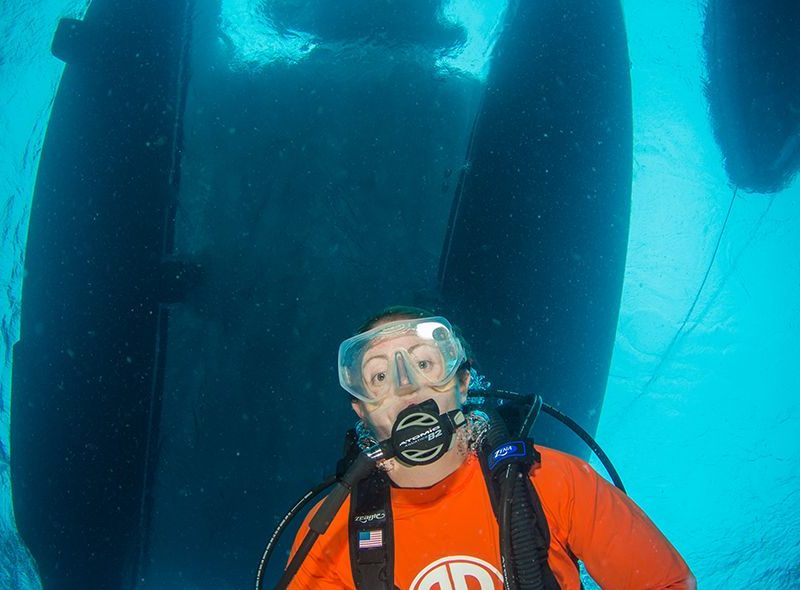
{"points": [[360, 116]]}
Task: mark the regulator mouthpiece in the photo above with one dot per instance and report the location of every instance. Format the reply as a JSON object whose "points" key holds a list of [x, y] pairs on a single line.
{"points": [[421, 435]]}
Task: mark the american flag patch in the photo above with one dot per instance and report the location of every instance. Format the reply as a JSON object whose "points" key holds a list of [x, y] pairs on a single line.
{"points": [[370, 539]]}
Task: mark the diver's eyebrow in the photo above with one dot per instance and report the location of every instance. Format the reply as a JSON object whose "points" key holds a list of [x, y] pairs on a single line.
{"points": [[373, 357], [418, 345]]}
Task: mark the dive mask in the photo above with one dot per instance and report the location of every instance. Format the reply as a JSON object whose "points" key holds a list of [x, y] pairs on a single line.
{"points": [[401, 354]]}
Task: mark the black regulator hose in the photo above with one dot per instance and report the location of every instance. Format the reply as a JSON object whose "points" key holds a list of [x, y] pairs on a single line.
{"points": [[567, 421], [587, 438], [521, 542], [273, 540], [322, 519]]}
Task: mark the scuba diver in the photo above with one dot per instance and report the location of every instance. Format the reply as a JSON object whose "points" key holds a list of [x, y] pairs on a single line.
{"points": [[445, 497]]}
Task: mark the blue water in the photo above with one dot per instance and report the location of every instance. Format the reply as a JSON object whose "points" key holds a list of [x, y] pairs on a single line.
{"points": [[701, 412]]}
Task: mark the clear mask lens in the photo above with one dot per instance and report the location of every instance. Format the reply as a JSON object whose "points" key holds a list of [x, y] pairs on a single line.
{"points": [[399, 355]]}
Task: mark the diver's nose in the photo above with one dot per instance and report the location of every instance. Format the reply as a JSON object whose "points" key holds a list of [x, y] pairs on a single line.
{"points": [[405, 378]]}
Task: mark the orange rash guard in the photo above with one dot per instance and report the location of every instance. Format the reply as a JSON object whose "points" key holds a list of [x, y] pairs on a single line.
{"points": [[447, 537]]}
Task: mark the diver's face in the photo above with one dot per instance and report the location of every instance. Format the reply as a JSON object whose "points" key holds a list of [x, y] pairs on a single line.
{"points": [[397, 369]]}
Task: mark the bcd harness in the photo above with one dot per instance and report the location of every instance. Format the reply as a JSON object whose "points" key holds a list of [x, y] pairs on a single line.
{"points": [[506, 463], [524, 558]]}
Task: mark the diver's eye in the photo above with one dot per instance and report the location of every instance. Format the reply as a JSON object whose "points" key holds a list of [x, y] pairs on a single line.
{"points": [[430, 368], [375, 374], [428, 361], [378, 383]]}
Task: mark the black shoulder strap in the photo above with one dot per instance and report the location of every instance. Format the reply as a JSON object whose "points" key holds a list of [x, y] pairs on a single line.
{"points": [[371, 530], [541, 532], [371, 533]]}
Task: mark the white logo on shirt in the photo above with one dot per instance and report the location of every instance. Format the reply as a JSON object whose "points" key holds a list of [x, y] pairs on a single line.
{"points": [[458, 572]]}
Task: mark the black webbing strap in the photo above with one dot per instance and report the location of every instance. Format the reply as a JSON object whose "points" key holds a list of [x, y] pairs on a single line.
{"points": [[526, 456], [548, 577], [371, 533], [371, 528]]}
